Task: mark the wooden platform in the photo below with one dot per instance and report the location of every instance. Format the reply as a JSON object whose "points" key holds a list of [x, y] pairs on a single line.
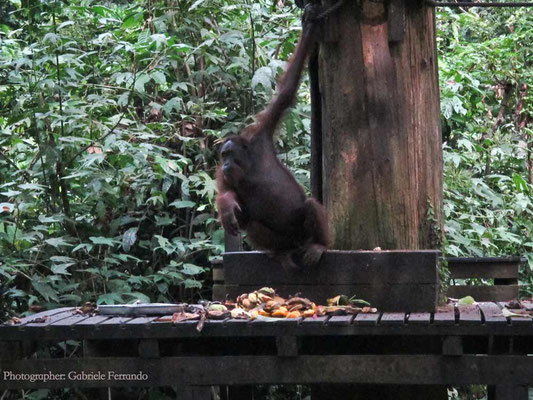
{"points": [[468, 344]]}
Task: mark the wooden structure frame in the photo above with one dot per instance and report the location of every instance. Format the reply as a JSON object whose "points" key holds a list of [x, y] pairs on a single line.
{"points": [[503, 270], [463, 345]]}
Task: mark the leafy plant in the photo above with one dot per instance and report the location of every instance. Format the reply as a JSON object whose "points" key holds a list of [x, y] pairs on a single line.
{"points": [[110, 118], [485, 77]]}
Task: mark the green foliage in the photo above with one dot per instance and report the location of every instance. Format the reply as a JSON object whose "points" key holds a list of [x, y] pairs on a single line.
{"points": [[486, 76], [110, 115]]}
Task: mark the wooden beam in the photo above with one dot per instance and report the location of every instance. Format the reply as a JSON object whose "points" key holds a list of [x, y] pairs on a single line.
{"points": [[243, 370], [483, 267], [336, 268], [484, 293]]}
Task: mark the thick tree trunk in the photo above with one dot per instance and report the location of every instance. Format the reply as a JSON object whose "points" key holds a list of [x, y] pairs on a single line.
{"points": [[382, 157]]}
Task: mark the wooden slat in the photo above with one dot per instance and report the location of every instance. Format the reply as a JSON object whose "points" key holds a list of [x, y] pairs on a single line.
{"points": [[444, 316], [366, 319], [236, 322], [487, 268], [336, 267], [359, 368], [289, 323], [116, 321], [318, 321], [392, 319], [484, 293], [74, 319], [51, 319], [94, 320], [47, 313], [142, 320], [469, 315], [393, 298], [419, 319], [341, 320], [492, 314]]}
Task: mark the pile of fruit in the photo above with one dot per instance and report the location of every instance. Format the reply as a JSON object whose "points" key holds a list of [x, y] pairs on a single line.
{"points": [[266, 303]]}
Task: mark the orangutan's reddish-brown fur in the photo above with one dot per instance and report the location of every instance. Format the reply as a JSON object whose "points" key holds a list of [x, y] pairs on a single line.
{"points": [[258, 194]]}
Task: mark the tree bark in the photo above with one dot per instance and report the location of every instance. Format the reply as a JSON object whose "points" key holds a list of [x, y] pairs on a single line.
{"points": [[382, 145], [382, 154]]}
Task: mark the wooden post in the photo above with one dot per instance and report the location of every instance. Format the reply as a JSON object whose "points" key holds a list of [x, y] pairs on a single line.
{"points": [[382, 156], [382, 147]]}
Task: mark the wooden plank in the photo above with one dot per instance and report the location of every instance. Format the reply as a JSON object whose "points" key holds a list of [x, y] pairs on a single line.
{"points": [[50, 320], [487, 268], [336, 267], [492, 314], [94, 320], [341, 320], [47, 313], [392, 319], [312, 321], [419, 319], [484, 293], [366, 319], [445, 315], [236, 323], [142, 320], [469, 315], [401, 298], [116, 321], [74, 319], [359, 368]]}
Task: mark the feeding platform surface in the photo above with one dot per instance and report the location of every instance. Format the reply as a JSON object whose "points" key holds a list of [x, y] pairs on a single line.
{"points": [[460, 345]]}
